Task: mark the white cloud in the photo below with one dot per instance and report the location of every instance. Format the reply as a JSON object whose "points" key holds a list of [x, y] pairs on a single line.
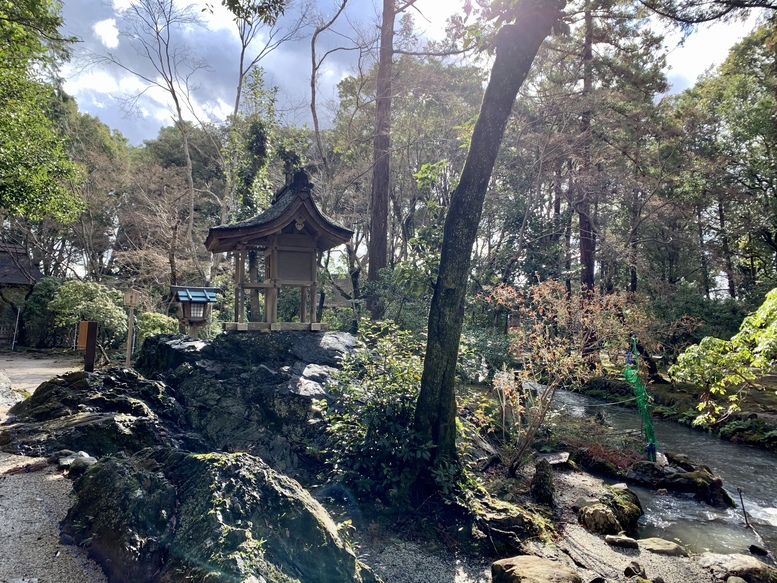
{"points": [[107, 32], [121, 5], [706, 47], [431, 15], [92, 80], [217, 17]]}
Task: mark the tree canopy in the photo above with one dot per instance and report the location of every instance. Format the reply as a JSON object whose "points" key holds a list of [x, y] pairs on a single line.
{"points": [[34, 168]]}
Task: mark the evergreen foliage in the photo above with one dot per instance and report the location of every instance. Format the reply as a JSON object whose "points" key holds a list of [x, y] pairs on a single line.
{"points": [[76, 301]]}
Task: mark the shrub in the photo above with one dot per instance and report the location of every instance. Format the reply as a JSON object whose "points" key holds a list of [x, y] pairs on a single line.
{"points": [[78, 300], [556, 343], [481, 354], [726, 369], [153, 323], [37, 318], [372, 446]]}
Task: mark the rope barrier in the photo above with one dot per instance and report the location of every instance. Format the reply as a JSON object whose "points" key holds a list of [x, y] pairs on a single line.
{"points": [[610, 404]]}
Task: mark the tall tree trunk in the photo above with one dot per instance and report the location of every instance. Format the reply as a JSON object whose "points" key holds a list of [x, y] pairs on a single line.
{"points": [[555, 238], [568, 245], [635, 212], [516, 47], [378, 248], [189, 232], [585, 190]]}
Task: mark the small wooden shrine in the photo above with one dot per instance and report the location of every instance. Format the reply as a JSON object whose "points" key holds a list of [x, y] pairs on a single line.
{"points": [[287, 239]]}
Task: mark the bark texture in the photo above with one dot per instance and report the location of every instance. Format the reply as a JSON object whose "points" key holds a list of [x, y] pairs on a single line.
{"points": [[516, 46], [379, 201]]}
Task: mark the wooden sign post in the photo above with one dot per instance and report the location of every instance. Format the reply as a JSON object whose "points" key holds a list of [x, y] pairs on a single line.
{"points": [[91, 346], [131, 299]]}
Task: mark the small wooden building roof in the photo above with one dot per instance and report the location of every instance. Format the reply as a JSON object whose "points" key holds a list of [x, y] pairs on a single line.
{"points": [[293, 212], [16, 267]]}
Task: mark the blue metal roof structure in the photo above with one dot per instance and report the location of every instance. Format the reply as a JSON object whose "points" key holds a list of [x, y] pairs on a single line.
{"points": [[196, 295]]}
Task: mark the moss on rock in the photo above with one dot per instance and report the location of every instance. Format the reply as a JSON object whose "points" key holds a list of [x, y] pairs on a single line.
{"points": [[167, 516]]}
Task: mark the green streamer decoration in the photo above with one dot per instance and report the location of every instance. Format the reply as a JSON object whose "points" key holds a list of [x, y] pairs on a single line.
{"points": [[631, 373]]}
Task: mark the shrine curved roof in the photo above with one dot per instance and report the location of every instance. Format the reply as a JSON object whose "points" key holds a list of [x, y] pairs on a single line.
{"points": [[292, 202]]}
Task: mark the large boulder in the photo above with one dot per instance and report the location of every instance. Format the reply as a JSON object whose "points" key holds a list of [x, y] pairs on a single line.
{"points": [[748, 568], [529, 569], [662, 546], [164, 516], [599, 519], [681, 474], [251, 392], [105, 412], [617, 510]]}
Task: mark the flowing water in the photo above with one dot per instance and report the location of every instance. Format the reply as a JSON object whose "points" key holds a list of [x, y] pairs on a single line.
{"points": [[676, 516]]}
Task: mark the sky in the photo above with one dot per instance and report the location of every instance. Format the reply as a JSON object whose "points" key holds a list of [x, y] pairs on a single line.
{"points": [[124, 102]]}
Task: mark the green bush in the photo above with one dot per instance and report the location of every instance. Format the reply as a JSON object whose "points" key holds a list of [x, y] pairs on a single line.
{"points": [[372, 446], [78, 300], [733, 428], [153, 323]]}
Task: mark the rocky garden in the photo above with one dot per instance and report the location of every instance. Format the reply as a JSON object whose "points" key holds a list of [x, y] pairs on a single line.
{"points": [[228, 460]]}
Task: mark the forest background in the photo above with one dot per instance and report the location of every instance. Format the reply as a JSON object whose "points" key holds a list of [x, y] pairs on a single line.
{"points": [[604, 180]]}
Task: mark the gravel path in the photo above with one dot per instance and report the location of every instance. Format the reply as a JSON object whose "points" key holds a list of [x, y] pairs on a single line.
{"points": [[32, 503], [407, 562], [31, 506]]}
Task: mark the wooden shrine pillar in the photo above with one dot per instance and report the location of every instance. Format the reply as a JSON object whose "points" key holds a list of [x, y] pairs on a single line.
{"points": [[240, 266]]}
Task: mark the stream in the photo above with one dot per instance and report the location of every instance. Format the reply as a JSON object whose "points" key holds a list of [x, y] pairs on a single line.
{"points": [[676, 516]]}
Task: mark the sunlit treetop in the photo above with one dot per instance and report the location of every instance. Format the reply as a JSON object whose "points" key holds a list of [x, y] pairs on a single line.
{"points": [[29, 31], [489, 16]]}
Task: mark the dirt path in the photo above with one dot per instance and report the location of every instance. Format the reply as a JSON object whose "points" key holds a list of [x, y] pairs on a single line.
{"points": [[32, 503], [22, 372], [28, 370]]}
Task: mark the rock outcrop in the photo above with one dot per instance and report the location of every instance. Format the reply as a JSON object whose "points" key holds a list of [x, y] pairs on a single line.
{"points": [[166, 516], [101, 413], [163, 497], [250, 392]]}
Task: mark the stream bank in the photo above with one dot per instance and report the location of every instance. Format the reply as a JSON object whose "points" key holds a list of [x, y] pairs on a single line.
{"points": [[755, 424], [700, 527]]}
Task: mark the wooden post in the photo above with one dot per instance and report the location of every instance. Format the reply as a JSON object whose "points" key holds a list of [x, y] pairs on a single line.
{"points": [[91, 346], [272, 293], [314, 287], [240, 267], [131, 299], [303, 304], [130, 335], [313, 311]]}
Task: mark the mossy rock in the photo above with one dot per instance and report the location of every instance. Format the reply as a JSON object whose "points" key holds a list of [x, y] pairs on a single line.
{"points": [[626, 505], [503, 527], [103, 413], [542, 489], [165, 516]]}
